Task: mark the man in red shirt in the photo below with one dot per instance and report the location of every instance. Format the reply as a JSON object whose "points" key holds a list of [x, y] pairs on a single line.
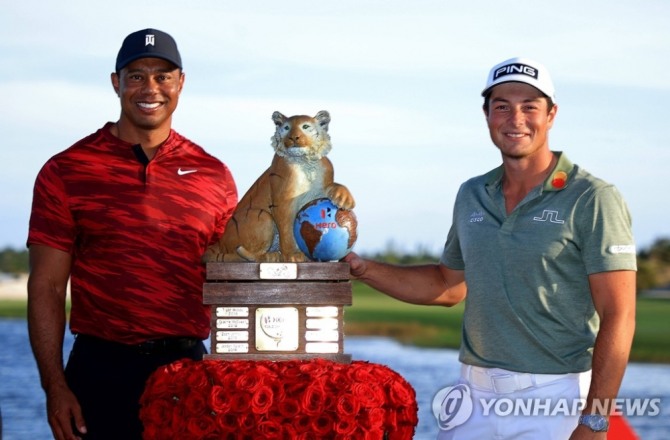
{"points": [[125, 215]]}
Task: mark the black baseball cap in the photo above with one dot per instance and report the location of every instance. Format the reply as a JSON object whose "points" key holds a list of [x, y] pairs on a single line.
{"points": [[148, 43]]}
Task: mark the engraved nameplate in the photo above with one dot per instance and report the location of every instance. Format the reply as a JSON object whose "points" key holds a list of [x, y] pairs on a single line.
{"points": [[322, 323], [276, 329], [325, 311], [321, 347], [232, 335], [321, 335], [278, 271], [232, 348], [234, 312], [232, 323]]}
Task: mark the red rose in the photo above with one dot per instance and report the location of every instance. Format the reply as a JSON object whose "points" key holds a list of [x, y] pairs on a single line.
{"points": [[200, 426], [401, 392], [361, 372], [195, 405], [219, 399], [249, 381], [157, 412], [158, 384], [262, 400], [369, 394], [402, 433], [322, 425], [313, 399], [246, 423], [270, 429], [373, 418], [288, 408], [345, 427], [197, 380], [347, 405], [302, 423], [240, 402], [227, 423]]}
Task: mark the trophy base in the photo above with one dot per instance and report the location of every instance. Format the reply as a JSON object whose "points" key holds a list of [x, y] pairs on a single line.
{"points": [[277, 311]]}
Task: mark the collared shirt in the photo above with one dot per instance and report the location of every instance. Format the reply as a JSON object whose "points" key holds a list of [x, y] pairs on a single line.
{"points": [[136, 230], [528, 305]]}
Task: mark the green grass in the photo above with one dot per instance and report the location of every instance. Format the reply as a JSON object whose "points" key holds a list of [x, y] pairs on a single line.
{"points": [[652, 331], [13, 308], [373, 313]]}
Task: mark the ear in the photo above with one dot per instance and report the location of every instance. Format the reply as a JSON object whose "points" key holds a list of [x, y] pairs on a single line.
{"points": [[552, 115], [115, 82], [278, 118], [323, 117], [182, 78]]}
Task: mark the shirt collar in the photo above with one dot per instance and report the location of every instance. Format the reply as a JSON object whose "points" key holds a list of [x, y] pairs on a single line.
{"points": [[557, 180], [559, 177]]}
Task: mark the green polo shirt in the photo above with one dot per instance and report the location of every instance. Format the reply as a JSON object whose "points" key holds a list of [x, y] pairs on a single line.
{"points": [[528, 306]]}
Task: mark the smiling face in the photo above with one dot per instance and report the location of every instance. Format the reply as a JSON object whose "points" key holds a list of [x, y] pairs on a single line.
{"points": [[519, 120], [149, 91]]}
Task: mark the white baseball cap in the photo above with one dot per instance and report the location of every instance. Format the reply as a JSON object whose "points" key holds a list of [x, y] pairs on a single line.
{"points": [[521, 70]]}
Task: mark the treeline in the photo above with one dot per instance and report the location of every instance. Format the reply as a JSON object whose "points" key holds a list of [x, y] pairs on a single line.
{"points": [[13, 261], [653, 263]]}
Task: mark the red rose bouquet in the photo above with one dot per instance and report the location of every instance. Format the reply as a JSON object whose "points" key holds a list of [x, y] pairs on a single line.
{"points": [[312, 399]]}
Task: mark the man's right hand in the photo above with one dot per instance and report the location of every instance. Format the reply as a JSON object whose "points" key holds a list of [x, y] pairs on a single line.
{"points": [[64, 414], [357, 265]]}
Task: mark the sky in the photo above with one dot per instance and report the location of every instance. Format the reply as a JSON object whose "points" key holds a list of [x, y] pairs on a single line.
{"points": [[401, 80]]}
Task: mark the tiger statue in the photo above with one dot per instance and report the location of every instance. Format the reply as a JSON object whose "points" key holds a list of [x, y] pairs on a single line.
{"points": [[261, 228]]}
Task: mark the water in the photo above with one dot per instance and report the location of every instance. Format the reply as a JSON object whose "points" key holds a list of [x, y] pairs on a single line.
{"points": [[428, 370]]}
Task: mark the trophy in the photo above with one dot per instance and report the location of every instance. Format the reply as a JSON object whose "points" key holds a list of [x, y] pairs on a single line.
{"points": [[274, 283]]}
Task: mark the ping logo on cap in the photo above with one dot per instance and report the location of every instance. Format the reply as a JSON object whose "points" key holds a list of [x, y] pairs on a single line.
{"points": [[515, 69], [150, 40]]}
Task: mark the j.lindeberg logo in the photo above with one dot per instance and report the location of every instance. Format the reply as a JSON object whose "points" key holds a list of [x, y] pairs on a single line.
{"points": [[515, 69], [149, 40], [550, 216]]}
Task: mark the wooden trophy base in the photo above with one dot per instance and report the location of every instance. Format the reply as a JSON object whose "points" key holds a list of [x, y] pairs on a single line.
{"points": [[277, 311]]}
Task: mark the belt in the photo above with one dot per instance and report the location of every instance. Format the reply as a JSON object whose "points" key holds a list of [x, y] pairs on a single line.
{"points": [[152, 346], [503, 381]]}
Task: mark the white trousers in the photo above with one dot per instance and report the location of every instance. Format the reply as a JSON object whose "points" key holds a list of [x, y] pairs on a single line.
{"points": [[511, 405]]}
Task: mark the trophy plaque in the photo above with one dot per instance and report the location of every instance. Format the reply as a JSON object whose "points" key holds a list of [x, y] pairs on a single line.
{"points": [[277, 311]]}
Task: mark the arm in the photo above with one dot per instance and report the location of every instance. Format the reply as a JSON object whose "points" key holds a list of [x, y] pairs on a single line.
{"points": [[613, 296], [47, 284], [429, 284]]}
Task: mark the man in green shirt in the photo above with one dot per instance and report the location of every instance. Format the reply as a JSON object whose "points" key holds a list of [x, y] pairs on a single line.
{"points": [[543, 254]]}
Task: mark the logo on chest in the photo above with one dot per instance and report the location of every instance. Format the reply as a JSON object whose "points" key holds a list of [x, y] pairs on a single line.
{"points": [[477, 217], [550, 216]]}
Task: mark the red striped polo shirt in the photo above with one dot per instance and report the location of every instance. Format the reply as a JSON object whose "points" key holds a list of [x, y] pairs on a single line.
{"points": [[136, 230]]}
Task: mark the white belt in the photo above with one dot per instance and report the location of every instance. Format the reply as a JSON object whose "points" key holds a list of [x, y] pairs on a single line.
{"points": [[503, 381]]}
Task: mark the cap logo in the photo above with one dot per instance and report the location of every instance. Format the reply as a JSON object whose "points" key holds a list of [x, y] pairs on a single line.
{"points": [[515, 69], [149, 40]]}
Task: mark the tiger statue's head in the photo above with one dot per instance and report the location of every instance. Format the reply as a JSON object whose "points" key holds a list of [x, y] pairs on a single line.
{"points": [[301, 138]]}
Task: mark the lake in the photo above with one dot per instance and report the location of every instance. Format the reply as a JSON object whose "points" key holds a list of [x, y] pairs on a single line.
{"points": [[428, 370]]}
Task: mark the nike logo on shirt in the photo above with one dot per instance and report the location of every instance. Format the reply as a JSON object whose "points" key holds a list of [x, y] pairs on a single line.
{"points": [[183, 172]]}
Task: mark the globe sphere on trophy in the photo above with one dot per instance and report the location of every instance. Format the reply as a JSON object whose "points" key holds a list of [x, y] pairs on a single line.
{"points": [[325, 232]]}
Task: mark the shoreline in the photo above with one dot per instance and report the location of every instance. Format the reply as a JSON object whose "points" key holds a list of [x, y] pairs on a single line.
{"points": [[14, 287]]}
